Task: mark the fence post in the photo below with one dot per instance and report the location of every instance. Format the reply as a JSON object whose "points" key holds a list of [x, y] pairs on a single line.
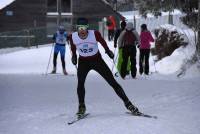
{"points": [[29, 43]]}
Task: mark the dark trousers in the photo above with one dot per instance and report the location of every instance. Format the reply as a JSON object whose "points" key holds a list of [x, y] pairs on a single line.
{"points": [[84, 66], [144, 58], [129, 51], [111, 33], [55, 55]]}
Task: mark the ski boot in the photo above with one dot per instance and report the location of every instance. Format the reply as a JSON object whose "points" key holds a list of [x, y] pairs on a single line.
{"points": [[81, 109], [65, 72], [54, 70], [133, 109], [141, 70]]}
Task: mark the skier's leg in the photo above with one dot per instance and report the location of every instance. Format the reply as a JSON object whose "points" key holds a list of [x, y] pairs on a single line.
{"points": [[62, 56], [101, 67], [141, 59], [54, 62], [132, 53], [82, 72], [56, 51], [147, 53], [124, 62]]}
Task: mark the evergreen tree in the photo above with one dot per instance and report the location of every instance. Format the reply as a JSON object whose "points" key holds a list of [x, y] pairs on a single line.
{"points": [[192, 18]]}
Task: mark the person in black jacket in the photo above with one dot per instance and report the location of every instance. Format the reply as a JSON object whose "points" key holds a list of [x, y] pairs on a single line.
{"points": [[118, 31]]}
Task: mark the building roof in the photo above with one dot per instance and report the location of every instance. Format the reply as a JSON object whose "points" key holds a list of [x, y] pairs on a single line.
{"points": [[4, 3]]}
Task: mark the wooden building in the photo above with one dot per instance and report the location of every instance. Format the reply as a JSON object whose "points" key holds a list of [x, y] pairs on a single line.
{"points": [[23, 14], [26, 14]]}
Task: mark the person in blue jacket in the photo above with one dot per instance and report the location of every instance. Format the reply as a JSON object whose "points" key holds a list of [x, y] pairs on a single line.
{"points": [[60, 38]]}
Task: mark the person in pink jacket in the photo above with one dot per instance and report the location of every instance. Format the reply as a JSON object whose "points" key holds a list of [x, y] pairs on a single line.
{"points": [[145, 39]]}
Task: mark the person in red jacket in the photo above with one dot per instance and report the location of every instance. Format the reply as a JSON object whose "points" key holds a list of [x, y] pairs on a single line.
{"points": [[145, 39], [111, 25], [86, 43]]}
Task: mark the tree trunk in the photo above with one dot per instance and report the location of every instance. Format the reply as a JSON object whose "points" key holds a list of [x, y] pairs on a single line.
{"points": [[198, 43], [170, 19]]}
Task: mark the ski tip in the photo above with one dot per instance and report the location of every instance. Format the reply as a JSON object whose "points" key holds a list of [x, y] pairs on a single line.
{"points": [[143, 115]]}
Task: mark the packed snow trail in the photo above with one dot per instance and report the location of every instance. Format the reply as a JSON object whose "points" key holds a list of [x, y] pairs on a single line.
{"points": [[43, 104]]}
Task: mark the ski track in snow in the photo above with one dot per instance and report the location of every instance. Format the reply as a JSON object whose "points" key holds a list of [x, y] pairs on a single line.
{"points": [[43, 104]]}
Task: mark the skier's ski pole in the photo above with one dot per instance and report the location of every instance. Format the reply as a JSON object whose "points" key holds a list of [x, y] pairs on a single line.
{"points": [[49, 59], [114, 60]]}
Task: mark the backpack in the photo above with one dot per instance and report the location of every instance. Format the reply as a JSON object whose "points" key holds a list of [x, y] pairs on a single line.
{"points": [[129, 38]]}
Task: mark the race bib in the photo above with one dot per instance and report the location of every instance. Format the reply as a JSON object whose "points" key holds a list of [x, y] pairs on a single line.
{"points": [[87, 49]]}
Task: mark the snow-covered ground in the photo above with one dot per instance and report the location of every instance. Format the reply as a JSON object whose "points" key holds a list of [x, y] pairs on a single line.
{"points": [[34, 103], [37, 104]]}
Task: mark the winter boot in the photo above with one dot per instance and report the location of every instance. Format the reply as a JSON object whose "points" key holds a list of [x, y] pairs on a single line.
{"points": [[133, 109], [134, 73], [81, 109], [65, 72], [54, 70], [141, 70]]}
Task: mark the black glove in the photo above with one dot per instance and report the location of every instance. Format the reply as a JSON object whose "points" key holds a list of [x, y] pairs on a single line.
{"points": [[110, 54], [74, 59]]}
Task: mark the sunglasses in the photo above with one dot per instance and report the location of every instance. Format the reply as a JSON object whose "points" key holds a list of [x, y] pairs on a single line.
{"points": [[82, 27]]}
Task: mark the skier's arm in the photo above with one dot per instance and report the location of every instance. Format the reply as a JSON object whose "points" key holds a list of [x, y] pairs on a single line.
{"points": [[73, 50], [101, 40], [120, 39], [73, 46], [136, 35]]}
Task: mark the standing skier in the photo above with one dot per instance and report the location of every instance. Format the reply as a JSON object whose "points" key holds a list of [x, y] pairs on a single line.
{"points": [[86, 42], [145, 39], [120, 59], [60, 38], [127, 41]]}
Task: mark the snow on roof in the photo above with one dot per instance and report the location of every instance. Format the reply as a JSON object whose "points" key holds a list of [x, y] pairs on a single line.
{"points": [[4, 3]]}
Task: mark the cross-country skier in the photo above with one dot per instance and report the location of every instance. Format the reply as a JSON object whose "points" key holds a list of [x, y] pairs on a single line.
{"points": [[60, 38], [86, 42]]}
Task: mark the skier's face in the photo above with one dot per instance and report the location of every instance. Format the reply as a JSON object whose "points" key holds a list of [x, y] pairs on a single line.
{"points": [[82, 31]]}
